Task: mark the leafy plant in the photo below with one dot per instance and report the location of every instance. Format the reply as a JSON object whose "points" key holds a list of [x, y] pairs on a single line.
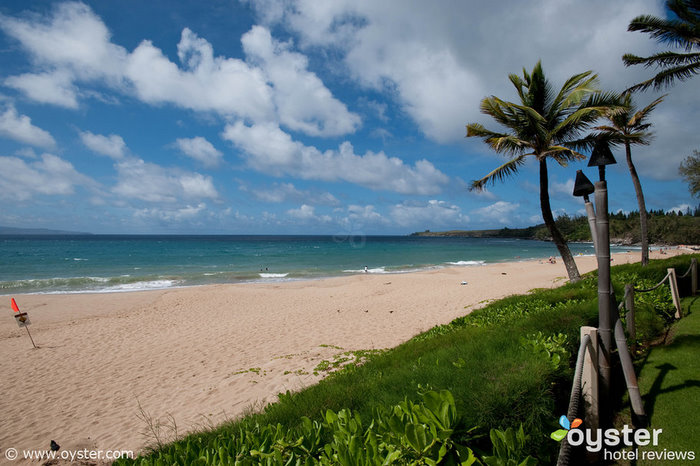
{"points": [[553, 347], [508, 447]]}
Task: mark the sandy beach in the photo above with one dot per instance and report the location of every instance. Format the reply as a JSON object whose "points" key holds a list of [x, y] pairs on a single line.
{"points": [[202, 355]]}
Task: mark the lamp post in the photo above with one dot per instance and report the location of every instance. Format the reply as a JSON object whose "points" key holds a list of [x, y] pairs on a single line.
{"points": [[600, 232]]}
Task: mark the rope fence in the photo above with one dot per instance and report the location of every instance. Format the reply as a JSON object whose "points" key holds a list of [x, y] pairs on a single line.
{"points": [[585, 383]]}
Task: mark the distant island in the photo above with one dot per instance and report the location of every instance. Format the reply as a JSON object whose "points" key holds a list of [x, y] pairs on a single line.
{"points": [[8, 231], [665, 228]]}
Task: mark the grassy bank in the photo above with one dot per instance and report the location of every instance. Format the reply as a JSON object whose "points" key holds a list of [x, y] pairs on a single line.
{"points": [[668, 382], [505, 365]]}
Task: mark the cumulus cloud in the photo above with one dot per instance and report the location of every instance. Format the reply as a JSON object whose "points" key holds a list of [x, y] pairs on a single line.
{"points": [[306, 213], [287, 192], [20, 128], [198, 148], [74, 46], [49, 175], [205, 83], [150, 182], [501, 213], [424, 55], [433, 213], [73, 39], [271, 150], [304, 103], [55, 87], [112, 146], [170, 215], [680, 209], [562, 190]]}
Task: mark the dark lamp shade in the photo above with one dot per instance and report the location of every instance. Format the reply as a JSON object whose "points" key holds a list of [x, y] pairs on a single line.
{"points": [[601, 155], [582, 185]]}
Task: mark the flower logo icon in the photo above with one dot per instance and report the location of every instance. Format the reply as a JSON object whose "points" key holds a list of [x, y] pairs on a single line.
{"points": [[559, 434]]}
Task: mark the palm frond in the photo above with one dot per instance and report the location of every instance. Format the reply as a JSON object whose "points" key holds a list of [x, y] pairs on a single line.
{"points": [[574, 82], [638, 118], [562, 155], [499, 174], [669, 31], [500, 142], [661, 59], [575, 95], [667, 77], [587, 113]]}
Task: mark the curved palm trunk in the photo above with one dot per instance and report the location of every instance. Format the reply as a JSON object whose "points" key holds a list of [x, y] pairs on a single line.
{"points": [[642, 205], [548, 218]]}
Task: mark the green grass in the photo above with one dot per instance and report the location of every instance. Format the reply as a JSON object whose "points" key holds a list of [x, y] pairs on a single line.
{"points": [[670, 385], [501, 364]]}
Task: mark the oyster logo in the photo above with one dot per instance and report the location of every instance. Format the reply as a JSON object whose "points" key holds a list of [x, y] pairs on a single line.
{"points": [[559, 434]]}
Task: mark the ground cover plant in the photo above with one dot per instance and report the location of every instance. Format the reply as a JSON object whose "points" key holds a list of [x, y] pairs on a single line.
{"points": [[455, 393]]}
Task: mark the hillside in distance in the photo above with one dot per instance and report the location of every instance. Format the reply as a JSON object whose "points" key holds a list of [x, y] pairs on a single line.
{"points": [[665, 228], [7, 231]]}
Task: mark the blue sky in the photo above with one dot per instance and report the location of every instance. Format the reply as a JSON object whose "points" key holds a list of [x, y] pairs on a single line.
{"points": [[339, 117]]}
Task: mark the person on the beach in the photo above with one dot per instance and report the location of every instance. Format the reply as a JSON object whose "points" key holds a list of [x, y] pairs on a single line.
{"points": [[366, 269]]}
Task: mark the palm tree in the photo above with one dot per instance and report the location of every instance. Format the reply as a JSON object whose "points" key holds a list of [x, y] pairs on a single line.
{"points": [[629, 126], [543, 126], [683, 32]]}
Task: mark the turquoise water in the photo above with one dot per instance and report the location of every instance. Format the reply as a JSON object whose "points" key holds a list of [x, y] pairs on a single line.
{"points": [[68, 264]]}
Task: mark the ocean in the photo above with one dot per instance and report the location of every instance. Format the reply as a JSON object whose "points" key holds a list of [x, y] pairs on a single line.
{"points": [[109, 263]]}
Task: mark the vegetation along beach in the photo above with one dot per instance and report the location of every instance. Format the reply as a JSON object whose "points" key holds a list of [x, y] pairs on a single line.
{"points": [[283, 232]]}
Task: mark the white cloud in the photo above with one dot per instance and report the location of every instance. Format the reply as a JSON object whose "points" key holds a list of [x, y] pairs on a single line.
{"points": [[206, 83], [358, 215], [501, 212], [152, 183], [73, 46], [438, 60], [434, 213], [562, 190], [286, 192], [54, 87], [20, 128], [73, 39], [171, 215], [682, 208], [201, 150], [307, 213], [50, 175], [303, 102], [271, 150], [112, 146]]}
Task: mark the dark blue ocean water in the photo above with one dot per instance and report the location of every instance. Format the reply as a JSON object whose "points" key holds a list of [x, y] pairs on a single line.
{"points": [[103, 263]]}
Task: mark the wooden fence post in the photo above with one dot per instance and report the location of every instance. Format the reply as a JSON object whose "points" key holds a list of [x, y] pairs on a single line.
{"points": [[674, 292], [589, 379]]}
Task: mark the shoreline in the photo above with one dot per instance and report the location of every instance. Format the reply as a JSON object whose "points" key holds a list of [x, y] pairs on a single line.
{"points": [[157, 283], [209, 353]]}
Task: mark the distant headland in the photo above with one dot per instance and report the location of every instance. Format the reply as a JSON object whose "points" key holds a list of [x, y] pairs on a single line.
{"points": [[665, 228], [7, 231]]}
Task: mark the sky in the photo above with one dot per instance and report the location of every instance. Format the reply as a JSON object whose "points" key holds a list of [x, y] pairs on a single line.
{"points": [[344, 117]]}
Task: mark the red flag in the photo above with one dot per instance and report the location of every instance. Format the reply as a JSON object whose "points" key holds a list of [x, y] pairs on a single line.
{"points": [[14, 305]]}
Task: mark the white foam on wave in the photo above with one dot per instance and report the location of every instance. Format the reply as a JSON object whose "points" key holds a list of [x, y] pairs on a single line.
{"points": [[467, 263], [139, 286], [273, 275], [374, 270]]}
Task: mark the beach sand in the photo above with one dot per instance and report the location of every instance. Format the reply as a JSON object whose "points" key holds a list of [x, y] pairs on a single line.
{"points": [[203, 355]]}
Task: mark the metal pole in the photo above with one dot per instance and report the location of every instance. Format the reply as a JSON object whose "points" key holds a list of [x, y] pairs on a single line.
{"points": [[604, 322], [30, 336]]}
